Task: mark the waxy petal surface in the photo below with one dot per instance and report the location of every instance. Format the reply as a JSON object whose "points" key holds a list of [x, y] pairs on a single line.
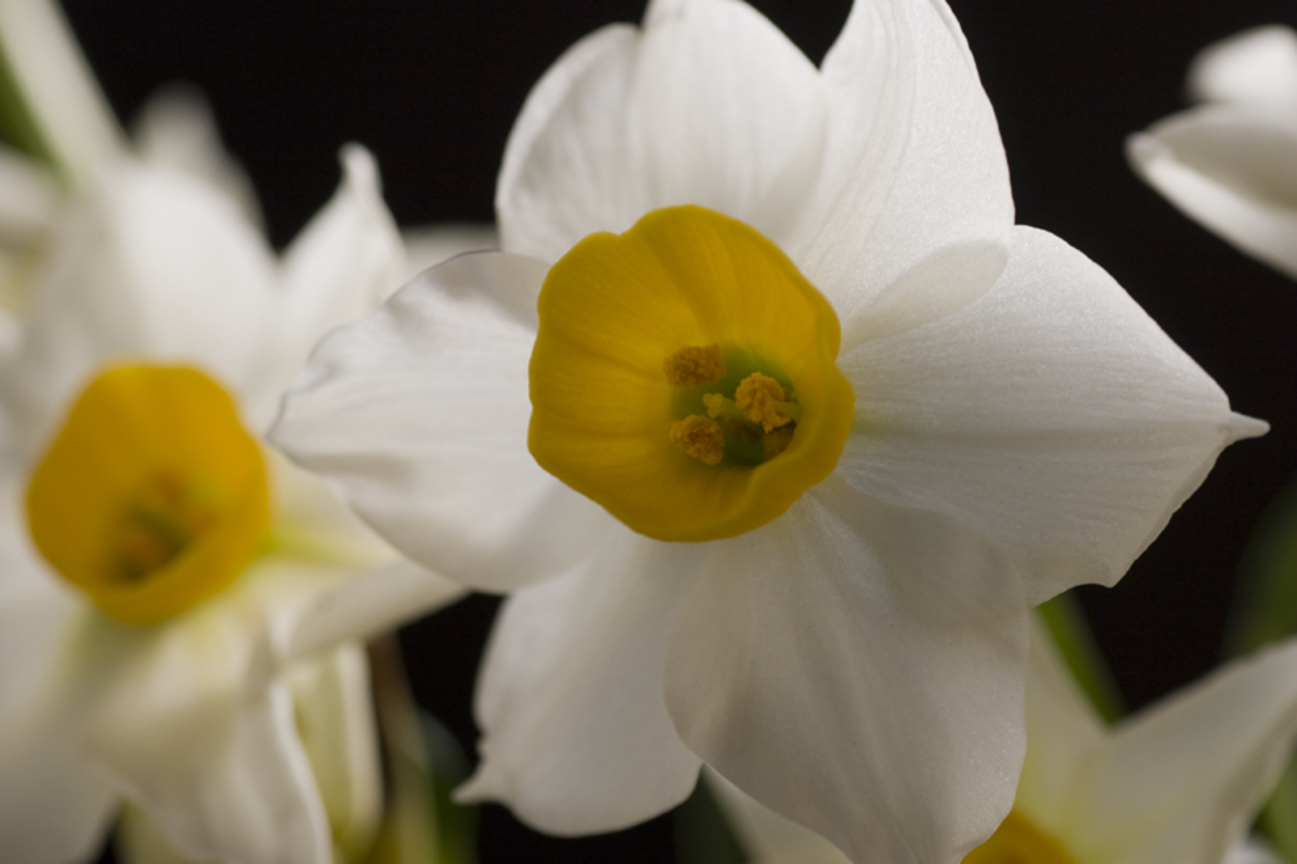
{"points": [[576, 736], [419, 415], [857, 667], [1052, 416], [708, 103]]}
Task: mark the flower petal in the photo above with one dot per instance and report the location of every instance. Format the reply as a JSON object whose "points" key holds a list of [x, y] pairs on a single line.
{"points": [[216, 762], [175, 128], [419, 416], [707, 104], [576, 738], [1257, 65], [339, 268], [370, 603], [1063, 734], [913, 164], [857, 667], [28, 196], [766, 836], [154, 265], [335, 719], [1232, 169], [1052, 416], [1182, 780], [55, 804]]}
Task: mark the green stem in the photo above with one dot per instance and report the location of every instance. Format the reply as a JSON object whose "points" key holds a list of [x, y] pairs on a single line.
{"points": [[1067, 625]]}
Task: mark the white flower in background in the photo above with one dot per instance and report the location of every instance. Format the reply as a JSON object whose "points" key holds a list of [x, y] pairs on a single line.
{"points": [[1178, 783], [806, 464], [148, 646], [1231, 162]]}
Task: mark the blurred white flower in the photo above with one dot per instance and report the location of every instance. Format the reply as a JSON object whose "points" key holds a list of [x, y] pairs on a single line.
{"points": [[1231, 162], [181, 701], [881, 448], [1178, 783]]}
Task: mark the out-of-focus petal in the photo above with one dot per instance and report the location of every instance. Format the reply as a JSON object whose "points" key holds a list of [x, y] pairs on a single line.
{"points": [[155, 265], [707, 104], [419, 416], [340, 268], [576, 736], [28, 196], [1234, 170], [335, 720], [429, 245], [366, 605], [176, 128], [914, 165], [1257, 66], [857, 667], [55, 664], [768, 837], [1052, 416], [68, 113], [209, 748], [1182, 780], [1063, 734]]}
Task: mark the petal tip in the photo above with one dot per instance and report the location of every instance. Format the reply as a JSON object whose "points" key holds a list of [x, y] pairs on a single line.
{"points": [[1241, 427]]}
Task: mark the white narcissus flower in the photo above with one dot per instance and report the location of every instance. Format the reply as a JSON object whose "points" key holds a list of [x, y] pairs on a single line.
{"points": [[1231, 162], [815, 431], [172, 588], [1180, 782]]}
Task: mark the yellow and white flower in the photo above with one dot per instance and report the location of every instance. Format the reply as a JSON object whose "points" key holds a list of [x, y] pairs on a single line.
{"points": [[1230, 163], [773, 472]]}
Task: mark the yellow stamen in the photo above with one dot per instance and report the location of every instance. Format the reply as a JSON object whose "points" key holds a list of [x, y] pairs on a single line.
{"points": [[758, 397], [151, 497], [1019, 840], [694, 366], [699, 437]]}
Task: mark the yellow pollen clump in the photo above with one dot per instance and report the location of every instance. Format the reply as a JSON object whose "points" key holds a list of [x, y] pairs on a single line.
{"points": [[758, 397], [701, 438], [694, 366]]}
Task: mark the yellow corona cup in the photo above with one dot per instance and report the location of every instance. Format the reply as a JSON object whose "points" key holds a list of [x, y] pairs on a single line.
{"points": [[684, 377], [152, 496]]}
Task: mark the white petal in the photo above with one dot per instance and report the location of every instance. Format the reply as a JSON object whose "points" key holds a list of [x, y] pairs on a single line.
{"points": [[419, 416], [1257, 65], [1063, 734], [858, 668], [766, 836], [335, 719], [345, 263], [176, 129], [914, 164], [55, 664], [1052, 415], [576, 738], [1234, 170], [429, 245], [28, 196], [215, 761], [370, 603], [55, 86], [708, 104], [154, 265], [1182, 781]]}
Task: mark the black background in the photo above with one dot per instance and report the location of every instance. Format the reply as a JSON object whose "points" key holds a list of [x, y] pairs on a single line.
{"points": [[432, 88]]}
